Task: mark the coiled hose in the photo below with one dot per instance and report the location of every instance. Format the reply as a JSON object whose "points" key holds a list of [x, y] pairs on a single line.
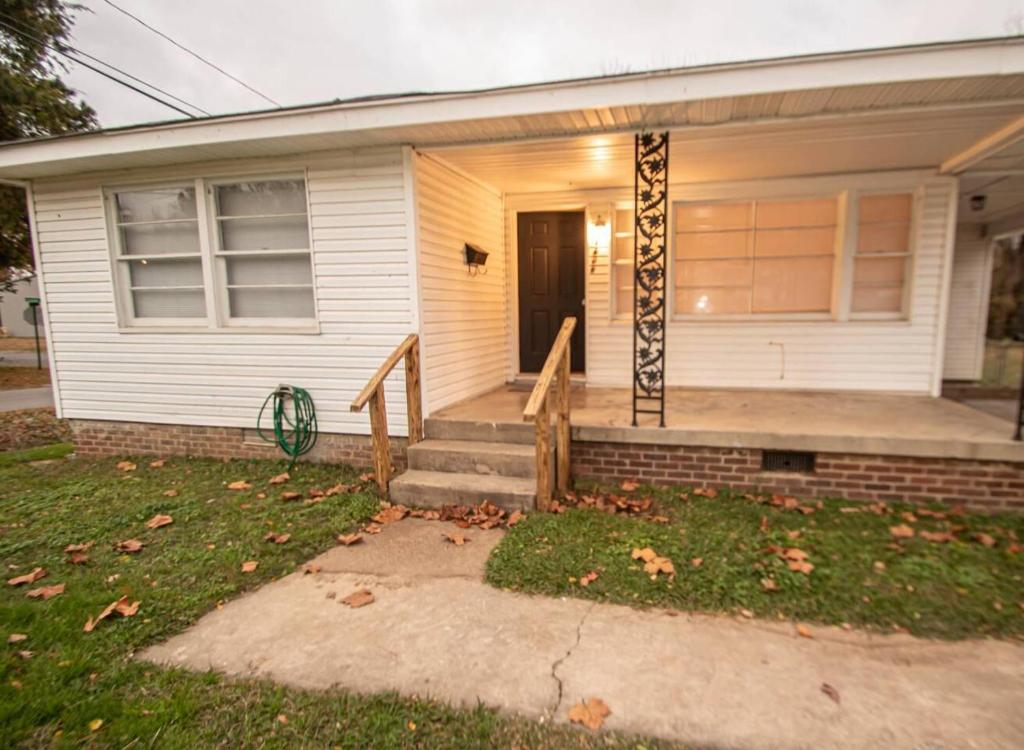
{"points": [[294, 433]]}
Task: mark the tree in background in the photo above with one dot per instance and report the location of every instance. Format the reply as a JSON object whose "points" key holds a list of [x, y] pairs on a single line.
{"points": [[1006, 303], [34, 101]]}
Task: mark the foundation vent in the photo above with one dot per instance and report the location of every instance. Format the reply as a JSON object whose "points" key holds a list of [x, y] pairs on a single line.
{"points": [[789, 461]]}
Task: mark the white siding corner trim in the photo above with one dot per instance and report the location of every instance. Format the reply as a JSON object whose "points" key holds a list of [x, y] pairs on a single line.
{"points": [[968, 304]]}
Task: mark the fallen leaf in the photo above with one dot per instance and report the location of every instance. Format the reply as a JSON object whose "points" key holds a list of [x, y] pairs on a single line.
{"points": [[659, 565], [240, 484], [337, 489], [590, 713], [589, 578], [95, 724], [170, 493], [311, 569], [25, 654], [123, 608], [763, 525], [359, 598], [628, 485], [249, 566], [940, 537], [46, 592], [16, 637], [908, 517], [746, 613], [280, 478], [697, 562], [130, 545], [794, 553], [879, 566], [31, 577], [290, 495], [349, 539], [78, 558], [769, 584], [126, 466], [902, 531], [260, 496], [391, 514], [83, 547], [985, 539], [646, 554], [516, 517], [277, 538], [282, 719], [794, 534], [456, 538], [120, 607], [800, 567], [708, 492], [830, 691], [159, 520], [803, 631], [372, 528], [158, 464]]}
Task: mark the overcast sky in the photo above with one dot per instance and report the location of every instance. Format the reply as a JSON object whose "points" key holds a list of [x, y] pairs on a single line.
{"points": [[301, 51]]}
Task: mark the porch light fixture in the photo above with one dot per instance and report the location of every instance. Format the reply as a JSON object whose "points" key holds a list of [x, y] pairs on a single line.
{"points": [[476, 259], [978, 202], [599, 237]]}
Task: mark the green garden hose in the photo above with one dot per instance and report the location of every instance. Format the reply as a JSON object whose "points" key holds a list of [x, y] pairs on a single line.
{"points": [[294, 433]]}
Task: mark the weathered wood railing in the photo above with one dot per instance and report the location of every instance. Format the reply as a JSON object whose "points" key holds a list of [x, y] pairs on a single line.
{"points": [[374, 394], [538, 410]]}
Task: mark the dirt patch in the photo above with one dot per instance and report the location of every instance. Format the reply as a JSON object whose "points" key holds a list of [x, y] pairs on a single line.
{"points": [[12, 378], [28, 428]]}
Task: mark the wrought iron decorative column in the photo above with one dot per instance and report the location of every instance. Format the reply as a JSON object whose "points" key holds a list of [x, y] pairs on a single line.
{"points": [[650, 189]]}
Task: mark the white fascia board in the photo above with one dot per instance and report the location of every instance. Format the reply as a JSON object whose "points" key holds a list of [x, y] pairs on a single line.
{"points": [[941, 61]]}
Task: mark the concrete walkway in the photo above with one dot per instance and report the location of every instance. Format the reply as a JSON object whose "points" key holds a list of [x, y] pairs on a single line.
{"points": [[26, 398], [708, 682]]}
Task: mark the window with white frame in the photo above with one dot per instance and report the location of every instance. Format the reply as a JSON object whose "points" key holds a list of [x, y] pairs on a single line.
{"points": [[881, 258], [755, 257], [250, 266], [623, 263]]}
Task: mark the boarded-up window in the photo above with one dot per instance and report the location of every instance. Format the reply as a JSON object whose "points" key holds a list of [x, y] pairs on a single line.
{"points": [[882, 255], [755, 257], [622, 263]]}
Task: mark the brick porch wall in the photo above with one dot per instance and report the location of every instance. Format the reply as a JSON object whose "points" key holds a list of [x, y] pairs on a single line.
{"points": [[982, 485], [96, 438]]}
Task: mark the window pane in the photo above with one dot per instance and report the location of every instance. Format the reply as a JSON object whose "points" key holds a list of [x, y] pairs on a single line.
{"points": [[261, 198], [812, 241], [712, 301], [697, 217], [874, 208], [271, 233], [160, 239], [166, 273], [169, 304], [878, 298], [159, 204], [271, 303], [879, 270], [623, 292], [799, 213], [268, 270], [714, 272], [793, 284], [727, 244], [883, 238]]}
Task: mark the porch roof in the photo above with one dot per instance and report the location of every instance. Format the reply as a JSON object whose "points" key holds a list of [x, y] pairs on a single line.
{"points": [[819, 421], [947, 75]]}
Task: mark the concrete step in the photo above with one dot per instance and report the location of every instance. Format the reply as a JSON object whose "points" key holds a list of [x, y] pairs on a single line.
{"points": [[432, 489], [472, 457], [483, 432]]}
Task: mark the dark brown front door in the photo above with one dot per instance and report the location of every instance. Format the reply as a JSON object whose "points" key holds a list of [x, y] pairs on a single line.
{"points": [[551, 263]]}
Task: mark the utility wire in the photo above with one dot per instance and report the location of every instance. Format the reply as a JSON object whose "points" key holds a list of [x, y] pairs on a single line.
{"points": [[194, 54], [10, 26]]}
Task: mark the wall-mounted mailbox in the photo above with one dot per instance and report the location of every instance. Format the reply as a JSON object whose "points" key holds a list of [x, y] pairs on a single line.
{"points": [[476, 257]]}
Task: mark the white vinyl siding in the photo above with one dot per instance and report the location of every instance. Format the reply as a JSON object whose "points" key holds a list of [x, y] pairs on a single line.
{"points": [[464, 317], [968, 304], [361, 259], [875, 355]]}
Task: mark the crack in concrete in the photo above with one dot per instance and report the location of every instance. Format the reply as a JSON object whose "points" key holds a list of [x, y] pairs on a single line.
{"points": [[558, 662]]}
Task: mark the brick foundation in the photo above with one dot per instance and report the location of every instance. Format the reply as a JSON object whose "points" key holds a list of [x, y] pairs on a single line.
{"points": [[96, 438], [982, 485]]}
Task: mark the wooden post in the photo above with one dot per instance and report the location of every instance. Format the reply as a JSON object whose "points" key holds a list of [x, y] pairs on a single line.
{"points": [[413, 397], [543, 430], [381, 444], [562, 434]]}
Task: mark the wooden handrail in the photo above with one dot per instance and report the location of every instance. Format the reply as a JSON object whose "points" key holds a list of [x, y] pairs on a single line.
{"points": [[373, 393], [557, 367]]}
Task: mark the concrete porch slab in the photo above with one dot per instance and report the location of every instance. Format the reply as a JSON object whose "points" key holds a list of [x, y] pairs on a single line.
{"points": [[821, 421], [436, 630]]}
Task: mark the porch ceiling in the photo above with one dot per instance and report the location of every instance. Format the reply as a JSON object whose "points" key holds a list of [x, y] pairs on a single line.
{"points": [[921, 137]]}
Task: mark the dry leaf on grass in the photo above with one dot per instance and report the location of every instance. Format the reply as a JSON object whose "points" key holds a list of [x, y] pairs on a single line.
{"points": [[940, 537], [372, 528], [130, 545], [240, 484], [746, 613], [277, 538], [646, 554], [158, 464], [349, 539], [391, 514], [78, 558], [46, 592], [83, 547], [803, 631], [769, 584], [121, 607], [16, 637], [628, 485], [95, 724], [591, 713], [830, 691], [31, 577], [709, 492], [455, 538], [170, 493], [516, 517], [359, 598], [985, 539], [249, 566], [126, 466], [159, 520], [589, 578], [290, 495], [901, 532], [659, 565], [697, 562], [763, 525], [280, 478], [800, 567]]}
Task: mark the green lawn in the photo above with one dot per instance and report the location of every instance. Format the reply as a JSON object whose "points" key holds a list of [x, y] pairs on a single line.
{"points": [[54, 696], [862, 574]]}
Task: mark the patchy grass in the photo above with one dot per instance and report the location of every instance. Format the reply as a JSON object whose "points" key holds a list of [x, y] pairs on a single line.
{"points": [[74, 678], [29, 428], [954, 590], [13, 378]]}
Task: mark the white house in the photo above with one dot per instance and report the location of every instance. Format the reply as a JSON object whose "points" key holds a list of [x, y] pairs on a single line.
{"points": [[824, 264]]}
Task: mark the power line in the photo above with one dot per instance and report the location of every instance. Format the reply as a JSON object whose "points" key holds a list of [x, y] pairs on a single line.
{"points": [[194, 54], [10, 26]]}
